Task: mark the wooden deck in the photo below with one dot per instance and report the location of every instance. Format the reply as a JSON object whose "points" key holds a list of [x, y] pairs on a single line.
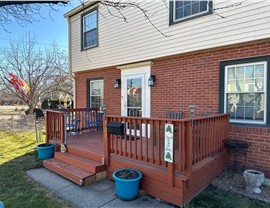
{"points": [[199, 154]]}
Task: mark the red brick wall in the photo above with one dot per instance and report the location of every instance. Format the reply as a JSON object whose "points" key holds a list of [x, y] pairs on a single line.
{"points": [[112, 96], [192, 78], [259, 151]]}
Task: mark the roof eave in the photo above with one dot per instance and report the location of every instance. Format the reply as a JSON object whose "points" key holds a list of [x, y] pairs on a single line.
{"points": [[80, 8]]}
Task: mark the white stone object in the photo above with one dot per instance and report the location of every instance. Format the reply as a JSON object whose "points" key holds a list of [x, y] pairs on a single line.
{"points": [[254, 179], [257, 191], [266, 182]]}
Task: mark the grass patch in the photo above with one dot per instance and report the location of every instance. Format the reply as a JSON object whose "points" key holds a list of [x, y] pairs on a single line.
{"points": [[17, 154], [213, 198]]}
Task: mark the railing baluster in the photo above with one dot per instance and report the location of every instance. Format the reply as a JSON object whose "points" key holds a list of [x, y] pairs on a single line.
{"points": [[146, 140], [141, 140], [130, 137], [152, 142], [158, 142], [125, 136], [135, 139]]}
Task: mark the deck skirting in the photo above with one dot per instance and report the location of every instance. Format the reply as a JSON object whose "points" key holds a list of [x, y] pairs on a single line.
{"points": [[155, 179]]}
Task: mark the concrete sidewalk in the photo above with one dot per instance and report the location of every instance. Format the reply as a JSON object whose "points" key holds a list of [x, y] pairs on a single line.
{"points": [[97, 195]]}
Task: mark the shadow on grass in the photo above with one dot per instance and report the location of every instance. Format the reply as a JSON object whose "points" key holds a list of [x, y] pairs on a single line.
{"points": [[18, 190], [213, 198]]}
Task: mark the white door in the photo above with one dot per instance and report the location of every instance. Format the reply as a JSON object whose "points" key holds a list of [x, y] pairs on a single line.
{"points": [[134, 96], [134, 100], [135, 93]]}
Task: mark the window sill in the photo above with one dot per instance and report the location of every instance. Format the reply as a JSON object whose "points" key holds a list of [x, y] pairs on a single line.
{"points": [[250, 125], [86, 48], [172, 22]]}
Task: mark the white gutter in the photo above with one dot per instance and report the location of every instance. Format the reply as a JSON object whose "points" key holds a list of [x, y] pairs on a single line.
{"points": [[70, 64]]}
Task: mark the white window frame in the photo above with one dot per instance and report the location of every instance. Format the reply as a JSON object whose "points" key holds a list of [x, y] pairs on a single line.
{"points": [[190, 16], [264, 91], [83, 29], [90, 91]]}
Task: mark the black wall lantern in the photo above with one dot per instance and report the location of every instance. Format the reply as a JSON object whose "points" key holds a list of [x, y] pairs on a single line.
{"points": [[151, 80], [117, 83]]}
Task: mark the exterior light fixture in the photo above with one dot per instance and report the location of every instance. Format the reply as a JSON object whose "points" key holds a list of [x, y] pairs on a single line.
{"points": [[117, 83], [192, 110], [151, 80], [49, 103], [103, 108]]}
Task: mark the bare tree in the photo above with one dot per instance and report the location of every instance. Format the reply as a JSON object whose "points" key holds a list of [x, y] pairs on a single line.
{"points": [[45, 70], [23, 12]]}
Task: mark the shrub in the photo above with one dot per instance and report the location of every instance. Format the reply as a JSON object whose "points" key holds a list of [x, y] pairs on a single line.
{"points": [[54, 104], [37, 111]]}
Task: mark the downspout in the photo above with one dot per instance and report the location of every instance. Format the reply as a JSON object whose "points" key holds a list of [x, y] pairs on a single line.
{"points": [[70, 63]]}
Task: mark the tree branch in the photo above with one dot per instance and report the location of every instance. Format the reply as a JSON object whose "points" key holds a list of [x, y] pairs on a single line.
{"points": [[8, 3]]}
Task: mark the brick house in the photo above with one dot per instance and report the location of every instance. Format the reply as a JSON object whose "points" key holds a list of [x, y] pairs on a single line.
{"points": [[197, 63], [211, 54]]}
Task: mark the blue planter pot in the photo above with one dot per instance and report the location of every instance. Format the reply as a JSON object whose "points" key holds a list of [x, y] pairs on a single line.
{"points": [[45, 151], [127, 183], [1, 205]]}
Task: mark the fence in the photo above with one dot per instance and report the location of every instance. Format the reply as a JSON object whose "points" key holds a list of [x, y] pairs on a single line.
{"points": [[16, 122]]}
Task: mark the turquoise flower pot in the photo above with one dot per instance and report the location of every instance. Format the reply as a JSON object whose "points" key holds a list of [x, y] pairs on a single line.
{"points": [[127, 183], [45, 151]]}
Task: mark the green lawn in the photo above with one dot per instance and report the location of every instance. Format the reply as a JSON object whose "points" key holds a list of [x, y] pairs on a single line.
{"points": [[17, 154]]}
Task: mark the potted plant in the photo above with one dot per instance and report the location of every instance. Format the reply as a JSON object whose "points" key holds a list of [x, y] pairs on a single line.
{"points": [[45, 150], [127, 183]]}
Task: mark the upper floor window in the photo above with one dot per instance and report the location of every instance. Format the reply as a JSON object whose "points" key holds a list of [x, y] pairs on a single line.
{"points": [[89, 29], [184, 10]]}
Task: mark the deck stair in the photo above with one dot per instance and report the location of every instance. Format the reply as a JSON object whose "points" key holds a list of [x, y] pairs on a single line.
{"points": [[77, 166]]}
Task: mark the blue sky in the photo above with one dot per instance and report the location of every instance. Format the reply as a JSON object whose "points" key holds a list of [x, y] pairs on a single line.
{"points": [[46, 31]]}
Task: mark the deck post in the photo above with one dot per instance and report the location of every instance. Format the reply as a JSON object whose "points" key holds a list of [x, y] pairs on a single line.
{"points": [[106, 144], [171, 167], [47, 126], [62, 128], [170, 174], [188, 148]]}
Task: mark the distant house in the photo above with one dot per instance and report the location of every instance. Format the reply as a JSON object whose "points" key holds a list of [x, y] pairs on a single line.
{"points": [[221, 65]]}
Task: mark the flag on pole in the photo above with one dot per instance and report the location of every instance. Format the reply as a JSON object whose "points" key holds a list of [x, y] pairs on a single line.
{"points": [[19, 84]]}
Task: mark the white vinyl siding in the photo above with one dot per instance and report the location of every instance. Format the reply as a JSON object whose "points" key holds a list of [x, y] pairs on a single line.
{"points": [[135, 41]]}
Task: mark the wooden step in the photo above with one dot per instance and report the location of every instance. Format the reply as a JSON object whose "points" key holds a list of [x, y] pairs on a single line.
{"points": [[80, 162], [75, 174], [87, 154]]}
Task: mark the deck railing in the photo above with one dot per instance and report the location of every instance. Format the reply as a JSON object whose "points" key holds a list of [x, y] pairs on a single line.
{"points": [[143, 140], [55, 125], [57, 120]]}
